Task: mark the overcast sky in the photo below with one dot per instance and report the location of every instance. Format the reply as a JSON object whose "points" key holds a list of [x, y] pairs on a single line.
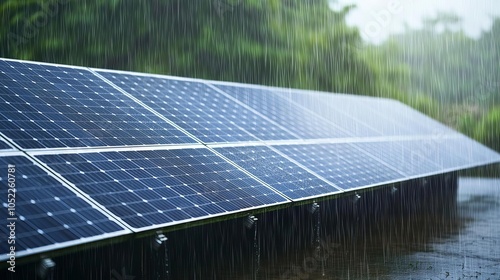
{"points": [[377, 19]]}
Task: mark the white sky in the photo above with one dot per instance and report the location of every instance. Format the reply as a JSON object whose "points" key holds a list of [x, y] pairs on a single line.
{"points": [[476, 15]]}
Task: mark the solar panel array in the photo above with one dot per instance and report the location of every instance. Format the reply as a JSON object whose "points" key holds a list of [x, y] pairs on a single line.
{"points": [[106, 153]]}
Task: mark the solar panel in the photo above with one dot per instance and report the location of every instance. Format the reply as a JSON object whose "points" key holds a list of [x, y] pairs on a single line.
{"points": [[416, 122], [365, 111], [199, 109], [45, 106], [469, 150], [4, 145], [369, 116], [152, 188], [410, 161], [436, 150], [279, 172], [342, 164], [302, 122], [46, 215], [331, 111]]}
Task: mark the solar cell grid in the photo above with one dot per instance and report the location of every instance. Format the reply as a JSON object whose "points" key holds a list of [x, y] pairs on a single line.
{"points": [[296, 119], [436, 151], [342, 164], [4, 145], [369, 116], [51, 107], [329, 111], [199, 109], [48, 214], [151, 188], [279, 172], [364, 110], [410, 162], [411, 118], [470, 150]]}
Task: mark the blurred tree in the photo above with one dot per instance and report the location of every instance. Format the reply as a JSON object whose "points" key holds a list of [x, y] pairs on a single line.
{"points": [[488, 130]]}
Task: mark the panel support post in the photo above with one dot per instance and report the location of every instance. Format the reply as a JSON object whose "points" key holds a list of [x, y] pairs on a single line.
{"points": [[316, 214], [161, 263], [46, 269], [251, 222]]}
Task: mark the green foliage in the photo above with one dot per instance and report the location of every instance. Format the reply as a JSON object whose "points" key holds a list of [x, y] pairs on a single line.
{"points": [[426, 105], [467, 124], [446, 75], [448, 65], [488, 130]]}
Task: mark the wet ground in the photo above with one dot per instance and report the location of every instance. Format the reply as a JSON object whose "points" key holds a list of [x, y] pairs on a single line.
{"points": [[471, 250], [462, 245]]}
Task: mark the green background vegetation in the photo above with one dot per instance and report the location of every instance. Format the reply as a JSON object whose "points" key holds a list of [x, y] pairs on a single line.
{"points": [[288, 43]]}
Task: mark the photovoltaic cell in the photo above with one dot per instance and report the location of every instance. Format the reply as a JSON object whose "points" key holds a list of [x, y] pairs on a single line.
{"points": [[365, 110], [342, 164], [410, 162], [470, 150], [161, 187], [46, 214], [277, 171], [404, 115], [199, 109], [4, 145], [436, 150], [284, 112], [330, 111], [44, 106], [368, 116]]}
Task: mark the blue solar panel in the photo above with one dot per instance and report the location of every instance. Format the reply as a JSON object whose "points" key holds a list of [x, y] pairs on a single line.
{"points": [[342, 164], [364, 110], [43, 106], [403, 115], [470, 151], [367, 116], [410, 162], [277, 171], [161, 187], [4, 145], [199, 109], [47, 215], [437, 151], [330, 110], [304, 123]]}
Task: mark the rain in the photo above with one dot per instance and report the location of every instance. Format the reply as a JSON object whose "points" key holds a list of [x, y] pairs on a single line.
{"points": [[250, 139]]}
